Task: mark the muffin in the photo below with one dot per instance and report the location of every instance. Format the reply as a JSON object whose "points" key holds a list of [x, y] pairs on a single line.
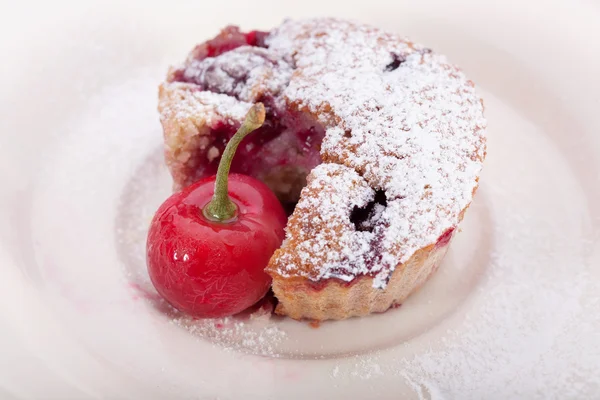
{"points": [[372, 142]]}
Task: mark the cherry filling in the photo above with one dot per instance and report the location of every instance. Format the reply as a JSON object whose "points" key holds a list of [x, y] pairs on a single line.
{"points": [[365, 218], [280, 153], [230, 38], [396, 61], [445, 237]]}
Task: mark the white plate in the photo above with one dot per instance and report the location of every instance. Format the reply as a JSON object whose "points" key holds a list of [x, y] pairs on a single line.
{"points": [[512, 313]]}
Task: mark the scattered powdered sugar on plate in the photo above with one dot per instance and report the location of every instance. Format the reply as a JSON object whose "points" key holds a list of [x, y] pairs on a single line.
{"points": [[232, 333], [366, 368]]}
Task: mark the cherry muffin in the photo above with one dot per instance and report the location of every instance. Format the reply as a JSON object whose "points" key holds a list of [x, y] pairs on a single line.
{"points": [[374, 144]]}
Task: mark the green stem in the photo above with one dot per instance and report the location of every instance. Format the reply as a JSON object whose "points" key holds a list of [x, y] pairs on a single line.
{"points": [[221, 208]]}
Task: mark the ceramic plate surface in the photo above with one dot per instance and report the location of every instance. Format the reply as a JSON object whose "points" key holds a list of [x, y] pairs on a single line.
{"points": [[514, 311]]}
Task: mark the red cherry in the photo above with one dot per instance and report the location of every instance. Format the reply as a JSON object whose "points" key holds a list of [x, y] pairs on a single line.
{"points": [[210, 269], [209, 244]]}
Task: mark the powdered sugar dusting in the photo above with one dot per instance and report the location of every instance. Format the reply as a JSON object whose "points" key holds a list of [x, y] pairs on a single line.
{"points": [[245, 72], [204, 105], [322, 228], [416, 131], [234, 334]]}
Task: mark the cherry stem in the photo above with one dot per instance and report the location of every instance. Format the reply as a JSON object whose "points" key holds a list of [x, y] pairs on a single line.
{"points": [[221, 208]]}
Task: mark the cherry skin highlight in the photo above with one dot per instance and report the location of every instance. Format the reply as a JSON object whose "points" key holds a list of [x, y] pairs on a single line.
{"points": [[209, 269], [209, 244]]}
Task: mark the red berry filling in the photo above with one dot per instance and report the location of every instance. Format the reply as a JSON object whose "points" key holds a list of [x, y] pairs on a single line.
{"points": [[444, 239], [230, 38], [280, 153]]}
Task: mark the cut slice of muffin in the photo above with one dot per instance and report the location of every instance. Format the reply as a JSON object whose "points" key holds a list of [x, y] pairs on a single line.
{"points": [[332, 264], [390, 135]]}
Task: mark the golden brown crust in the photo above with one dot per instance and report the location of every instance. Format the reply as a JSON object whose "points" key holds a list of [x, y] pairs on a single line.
{"points": [[299, 299]]}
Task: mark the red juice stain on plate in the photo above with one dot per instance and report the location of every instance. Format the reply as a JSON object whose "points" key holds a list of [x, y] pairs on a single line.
{"points": [[140, 292], [314, 324]]}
